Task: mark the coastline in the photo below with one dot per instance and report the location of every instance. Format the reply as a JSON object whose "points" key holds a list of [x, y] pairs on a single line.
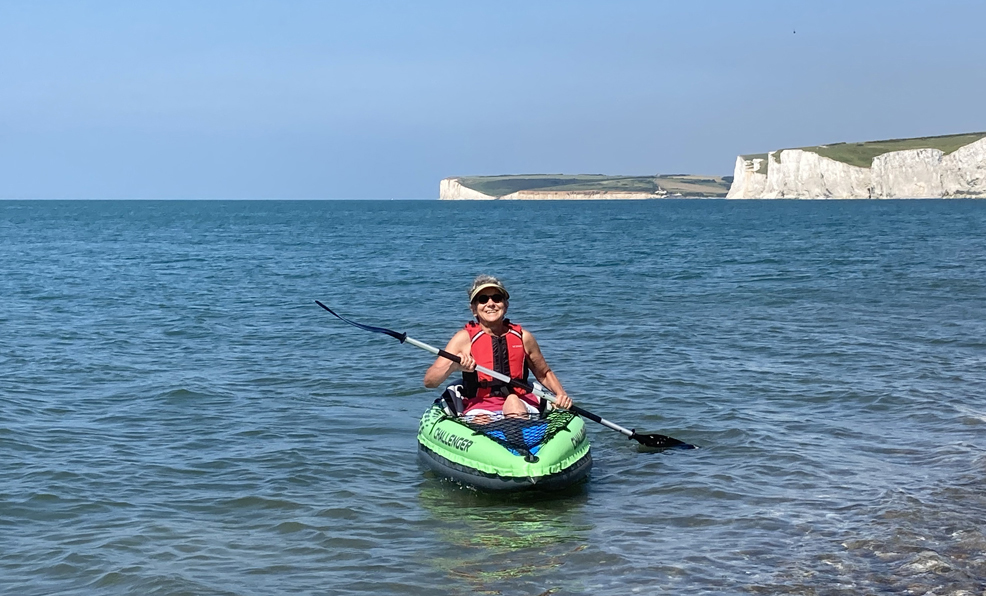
{"points": [[937, 167], [544, 187]]}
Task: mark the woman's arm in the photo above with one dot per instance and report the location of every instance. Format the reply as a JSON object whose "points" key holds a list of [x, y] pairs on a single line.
{"points": [[541, 370], [443, 367]]}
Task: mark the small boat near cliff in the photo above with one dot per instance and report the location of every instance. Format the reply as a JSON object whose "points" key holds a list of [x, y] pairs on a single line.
{"points": [[539, 453]]}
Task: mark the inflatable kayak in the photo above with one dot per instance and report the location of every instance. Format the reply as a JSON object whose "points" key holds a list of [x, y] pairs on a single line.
{"points": [[547, 452]]}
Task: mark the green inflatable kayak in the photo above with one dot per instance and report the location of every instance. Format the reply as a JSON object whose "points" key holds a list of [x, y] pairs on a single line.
{"points": [[545, 453]]}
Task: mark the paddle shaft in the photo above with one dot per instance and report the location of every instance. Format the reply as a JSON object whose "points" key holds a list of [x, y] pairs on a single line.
{"points": [[536, 390]]}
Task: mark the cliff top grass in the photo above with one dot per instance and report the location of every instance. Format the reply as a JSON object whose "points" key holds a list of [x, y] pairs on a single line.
{"points": [[862, 154], [684, 184]]}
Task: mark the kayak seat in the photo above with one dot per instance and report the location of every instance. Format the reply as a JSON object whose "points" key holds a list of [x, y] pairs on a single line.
{"points": [[452, 400]]}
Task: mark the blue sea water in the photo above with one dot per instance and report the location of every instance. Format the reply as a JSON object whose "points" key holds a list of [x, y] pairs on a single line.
{"points": [[177, 416]]}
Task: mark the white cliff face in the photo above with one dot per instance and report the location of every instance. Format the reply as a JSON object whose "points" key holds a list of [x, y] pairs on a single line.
{"points": [[914, 174], [806, 174], [451, 190], [964, 171], [917, 173], [747, 183]]}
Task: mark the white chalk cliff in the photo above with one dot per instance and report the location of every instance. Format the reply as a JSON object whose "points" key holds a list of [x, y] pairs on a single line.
{"points": [[451, 189], [910, 174]]}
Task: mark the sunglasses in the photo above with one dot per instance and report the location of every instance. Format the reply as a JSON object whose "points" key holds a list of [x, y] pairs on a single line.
{"points": [[484, 298]]}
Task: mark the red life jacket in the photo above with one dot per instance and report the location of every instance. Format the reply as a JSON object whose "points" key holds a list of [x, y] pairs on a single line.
{"points": [[504, 354]]}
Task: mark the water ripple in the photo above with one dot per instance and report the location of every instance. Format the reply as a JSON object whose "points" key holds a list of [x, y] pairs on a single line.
{"points": [[177, 417]]}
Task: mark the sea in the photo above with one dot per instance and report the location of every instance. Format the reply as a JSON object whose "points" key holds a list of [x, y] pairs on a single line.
{"points": [[178, 416]]}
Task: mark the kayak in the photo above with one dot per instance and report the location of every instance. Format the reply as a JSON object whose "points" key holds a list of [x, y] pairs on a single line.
{"points": [[542, 453]]}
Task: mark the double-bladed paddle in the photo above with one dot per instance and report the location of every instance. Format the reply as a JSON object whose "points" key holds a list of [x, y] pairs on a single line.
{"points": [[653, 441]]}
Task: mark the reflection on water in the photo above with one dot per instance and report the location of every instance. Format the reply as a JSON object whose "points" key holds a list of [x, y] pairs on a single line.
{"points": [[504, 543]]}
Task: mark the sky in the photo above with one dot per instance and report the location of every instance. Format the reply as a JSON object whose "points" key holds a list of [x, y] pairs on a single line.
{"points": [[372, 99]]}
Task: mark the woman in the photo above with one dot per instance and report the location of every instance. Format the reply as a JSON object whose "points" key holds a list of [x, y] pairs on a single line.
{"points": [[494, 342]]}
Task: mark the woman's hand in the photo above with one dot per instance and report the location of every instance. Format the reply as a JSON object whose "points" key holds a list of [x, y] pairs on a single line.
{"points": [[466, 362], [562, 400]]}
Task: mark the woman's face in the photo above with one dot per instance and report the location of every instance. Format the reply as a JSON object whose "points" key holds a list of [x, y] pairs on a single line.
{"points": [[489, 305]]}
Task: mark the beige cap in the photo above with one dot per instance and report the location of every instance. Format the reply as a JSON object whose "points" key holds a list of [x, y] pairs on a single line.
{"points": [[486, 281]]}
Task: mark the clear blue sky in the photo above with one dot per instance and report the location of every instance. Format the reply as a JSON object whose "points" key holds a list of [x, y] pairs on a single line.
{"points": [[318, 99]]}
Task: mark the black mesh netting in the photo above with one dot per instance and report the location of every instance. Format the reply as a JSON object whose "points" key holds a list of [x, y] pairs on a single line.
{"points": [[523, 435]]}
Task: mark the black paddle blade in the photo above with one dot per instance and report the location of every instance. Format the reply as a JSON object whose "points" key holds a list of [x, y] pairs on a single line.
{"points": [[660, 442], [398, 336]]}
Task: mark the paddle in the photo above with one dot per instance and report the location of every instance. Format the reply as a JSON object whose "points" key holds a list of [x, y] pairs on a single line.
{"points": [[653, 441]]}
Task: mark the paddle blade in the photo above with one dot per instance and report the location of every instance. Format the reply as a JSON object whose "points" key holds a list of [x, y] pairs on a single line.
{"points": [[396, 335], [660, 442]]}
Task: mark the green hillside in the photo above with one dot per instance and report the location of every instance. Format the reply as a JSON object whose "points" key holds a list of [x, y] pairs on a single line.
{"points": [[685, 185], [862, 154]]}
